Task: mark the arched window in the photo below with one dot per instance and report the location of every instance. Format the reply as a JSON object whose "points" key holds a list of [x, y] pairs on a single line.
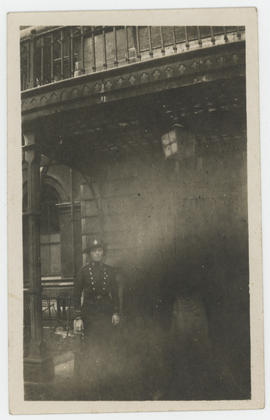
{"points": [[50, 248]]}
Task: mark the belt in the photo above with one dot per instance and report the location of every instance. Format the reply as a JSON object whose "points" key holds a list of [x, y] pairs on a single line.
{"points": [[97, 298]]}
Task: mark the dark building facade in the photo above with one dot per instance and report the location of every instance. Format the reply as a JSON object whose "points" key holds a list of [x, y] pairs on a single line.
{"points": [[138, 135]]}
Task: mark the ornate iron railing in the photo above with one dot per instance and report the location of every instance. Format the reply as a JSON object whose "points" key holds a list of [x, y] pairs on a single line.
{"points": [[57, 309], [52, 54]]}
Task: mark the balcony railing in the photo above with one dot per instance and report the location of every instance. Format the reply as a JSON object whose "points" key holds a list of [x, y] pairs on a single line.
{"points": [[53, 54]]}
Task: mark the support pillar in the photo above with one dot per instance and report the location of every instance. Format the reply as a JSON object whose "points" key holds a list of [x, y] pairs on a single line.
{"points": [[38, 366]]}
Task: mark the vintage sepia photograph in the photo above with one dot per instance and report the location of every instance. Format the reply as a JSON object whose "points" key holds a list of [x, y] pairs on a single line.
{"points": [[135, 222]]}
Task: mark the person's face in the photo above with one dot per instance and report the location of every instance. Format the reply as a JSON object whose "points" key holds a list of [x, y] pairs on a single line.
{"points": [[96, 254]]}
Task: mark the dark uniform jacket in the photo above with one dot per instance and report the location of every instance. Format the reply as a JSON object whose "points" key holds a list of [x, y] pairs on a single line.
{"points": [[96, 282]]}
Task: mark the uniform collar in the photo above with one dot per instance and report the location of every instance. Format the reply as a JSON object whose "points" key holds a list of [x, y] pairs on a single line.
{"points": [[96, 264]]}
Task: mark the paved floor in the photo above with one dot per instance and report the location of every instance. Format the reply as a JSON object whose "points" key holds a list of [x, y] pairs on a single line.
{"points": [[146, 366]]}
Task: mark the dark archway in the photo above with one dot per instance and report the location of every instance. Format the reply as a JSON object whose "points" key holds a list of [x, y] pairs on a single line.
{"points": [[51, 195], [50, 245]]}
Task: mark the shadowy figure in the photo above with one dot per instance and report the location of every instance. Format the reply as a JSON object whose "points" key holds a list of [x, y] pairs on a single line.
{"points": [[186, 345]]}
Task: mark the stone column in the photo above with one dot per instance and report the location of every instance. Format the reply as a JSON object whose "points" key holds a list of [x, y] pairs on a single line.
{"points": [[38, 366]]}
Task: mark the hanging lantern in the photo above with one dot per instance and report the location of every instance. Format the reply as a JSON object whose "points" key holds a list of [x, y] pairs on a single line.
{"points": [[171, 140], [179, 143]]}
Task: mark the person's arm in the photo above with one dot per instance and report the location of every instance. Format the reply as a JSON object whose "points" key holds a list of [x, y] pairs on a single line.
{"points": [[117, 299], [120, 291], [77, 293]]}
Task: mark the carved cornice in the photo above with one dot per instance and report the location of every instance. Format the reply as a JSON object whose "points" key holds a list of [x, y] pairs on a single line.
{"points": [[191, 68]]}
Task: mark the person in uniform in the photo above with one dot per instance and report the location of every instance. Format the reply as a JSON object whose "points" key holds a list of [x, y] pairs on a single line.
{"points": [[97, 313]]}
